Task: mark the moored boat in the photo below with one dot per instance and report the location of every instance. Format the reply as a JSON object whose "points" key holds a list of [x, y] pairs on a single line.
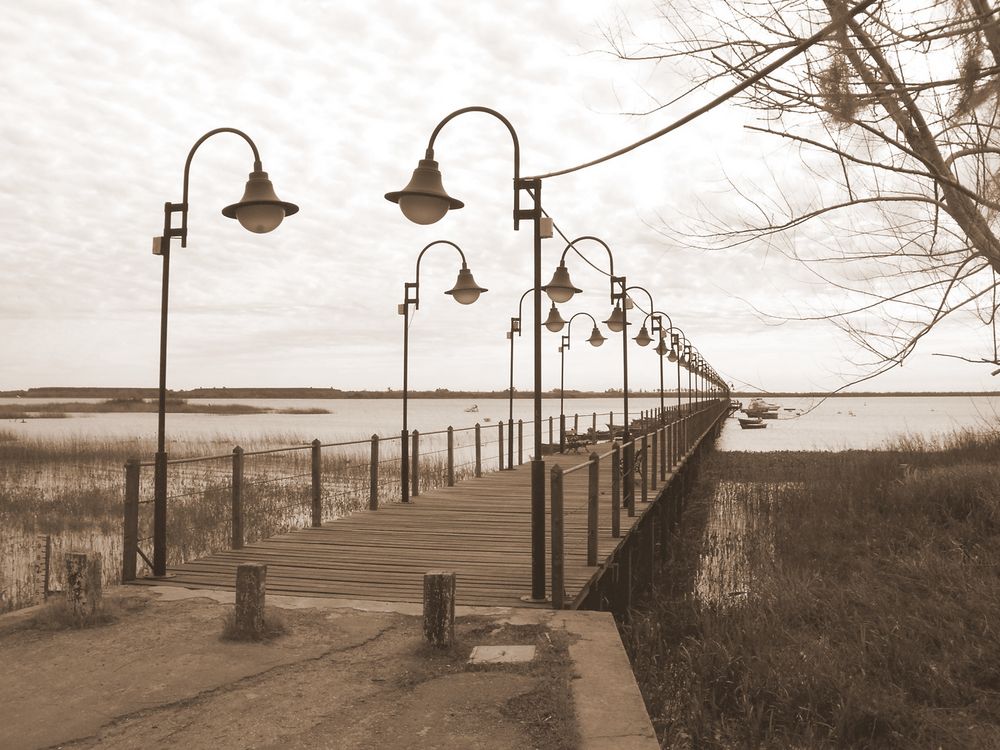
{"points": [[752, 423]]}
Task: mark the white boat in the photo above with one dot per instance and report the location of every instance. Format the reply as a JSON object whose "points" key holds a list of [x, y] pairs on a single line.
{"points": [[752, 423], [473, 408]]}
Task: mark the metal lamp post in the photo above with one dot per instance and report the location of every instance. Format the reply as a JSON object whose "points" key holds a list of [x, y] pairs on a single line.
{"points": [[259, 211], [675, 355], [424, 201], [655, 317], [561, 289], [465, 292], [596, 339]]}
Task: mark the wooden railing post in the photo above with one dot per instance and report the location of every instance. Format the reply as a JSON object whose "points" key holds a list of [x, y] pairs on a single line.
{"points": [[616, 489], [500, 448], [576, 423], [520, 442], [130, 528], [373, 476], [551, 440], [664, 432], [643, 467], [510, 444], [653, 473], [562, 433], [593, 422], [317, 483], [451, 457], [237, 499], [479, 451], [628, 476], [558, 562], [593, 492], [415, 472]]}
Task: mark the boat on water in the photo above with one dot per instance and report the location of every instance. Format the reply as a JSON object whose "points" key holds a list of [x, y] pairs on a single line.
{"points": [[758, 407], [752, 423], [473, 408]]}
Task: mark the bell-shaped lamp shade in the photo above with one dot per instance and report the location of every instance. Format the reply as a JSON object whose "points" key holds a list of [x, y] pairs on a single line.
{"points": [[561, 289], [642, 338], [596, 338], [424, 200], [554, 322], [259, 210], [466, 290], [616, 322], [672, 355], [661, 348]]}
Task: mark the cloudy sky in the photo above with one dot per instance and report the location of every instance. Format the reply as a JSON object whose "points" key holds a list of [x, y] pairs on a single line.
{"points": [[103, 100]]}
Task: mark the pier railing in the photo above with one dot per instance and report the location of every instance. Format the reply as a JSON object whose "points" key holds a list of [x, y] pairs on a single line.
{"points": [[657, 452], [227, 500]]}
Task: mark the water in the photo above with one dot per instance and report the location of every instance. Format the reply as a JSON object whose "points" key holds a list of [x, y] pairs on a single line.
{"points": [[847, 422]]}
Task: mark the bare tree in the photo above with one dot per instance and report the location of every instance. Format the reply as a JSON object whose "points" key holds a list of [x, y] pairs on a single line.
{"points": [[896, 117]]}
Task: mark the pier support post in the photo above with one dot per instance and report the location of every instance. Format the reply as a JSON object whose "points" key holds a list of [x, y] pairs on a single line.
{"points": [[236, 500], [317, 483], [83, 585], [510, 443], [643, 468], [251, 585], [373, 476], [500, 447], [628, 477], [439, 607], [520, 442], [130, 527], [654, 470]]}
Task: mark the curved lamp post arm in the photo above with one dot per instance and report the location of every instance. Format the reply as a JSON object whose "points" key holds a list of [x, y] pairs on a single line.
{"points": [[653, 314], [518, 184], [414, 286], [520, 304], [611, 261], [569, 326]]}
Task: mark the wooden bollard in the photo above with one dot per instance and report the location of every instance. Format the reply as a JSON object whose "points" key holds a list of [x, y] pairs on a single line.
{"points": [[439, 607], [83, 584], [251, 584]]}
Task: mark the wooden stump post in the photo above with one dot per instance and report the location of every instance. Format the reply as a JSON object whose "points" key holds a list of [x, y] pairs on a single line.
{"points": [[251, 585], [83, 584], [439, 607]]}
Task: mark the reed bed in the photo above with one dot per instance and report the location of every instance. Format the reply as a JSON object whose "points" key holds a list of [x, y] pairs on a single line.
{"points": [[822, 600]]}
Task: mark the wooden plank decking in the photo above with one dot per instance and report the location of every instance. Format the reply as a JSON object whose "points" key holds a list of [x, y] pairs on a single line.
{"points": [[480, 528]]}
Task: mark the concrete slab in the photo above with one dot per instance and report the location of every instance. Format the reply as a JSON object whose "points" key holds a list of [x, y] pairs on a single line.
{"points": [[501, 654]]}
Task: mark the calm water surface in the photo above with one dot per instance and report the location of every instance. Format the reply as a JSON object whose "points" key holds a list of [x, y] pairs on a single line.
{"points": [[835, 424]]}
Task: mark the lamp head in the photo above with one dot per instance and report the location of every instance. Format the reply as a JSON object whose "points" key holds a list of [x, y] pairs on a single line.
{"points": [[466, 290], [596, 338], [561, 289], [616, 322], [642, 338], [424, 200], [661, 348], [259, 210], [554, 322], [672, 356]]}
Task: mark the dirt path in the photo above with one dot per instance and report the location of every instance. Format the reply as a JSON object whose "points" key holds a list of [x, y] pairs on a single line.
{"points": [[161, 677]]}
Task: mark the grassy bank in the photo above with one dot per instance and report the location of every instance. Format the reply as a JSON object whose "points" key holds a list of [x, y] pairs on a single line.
{"points": [[831, 600], [140, 406]]}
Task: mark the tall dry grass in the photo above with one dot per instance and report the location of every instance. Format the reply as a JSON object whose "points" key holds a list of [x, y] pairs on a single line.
{"points": [[866, 613]]}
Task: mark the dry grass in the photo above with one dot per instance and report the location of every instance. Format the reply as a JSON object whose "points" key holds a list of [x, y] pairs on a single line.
{"points": [[274, 626], [869, 619]]}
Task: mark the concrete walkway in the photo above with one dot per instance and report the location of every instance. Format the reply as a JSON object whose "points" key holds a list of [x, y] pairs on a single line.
{"points": [[347, 674]]}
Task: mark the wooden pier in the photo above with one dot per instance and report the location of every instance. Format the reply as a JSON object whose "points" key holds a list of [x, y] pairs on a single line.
{"points": [[481, 529]]}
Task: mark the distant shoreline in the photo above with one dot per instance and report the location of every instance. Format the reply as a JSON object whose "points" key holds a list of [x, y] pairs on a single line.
{"points": [[440, 393]]}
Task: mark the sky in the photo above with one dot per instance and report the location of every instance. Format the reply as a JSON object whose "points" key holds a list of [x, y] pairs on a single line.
{"points": [[103, 100]]}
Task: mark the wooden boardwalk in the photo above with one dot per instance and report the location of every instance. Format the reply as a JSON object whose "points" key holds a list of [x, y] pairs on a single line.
{"points": [[481, 529]]}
